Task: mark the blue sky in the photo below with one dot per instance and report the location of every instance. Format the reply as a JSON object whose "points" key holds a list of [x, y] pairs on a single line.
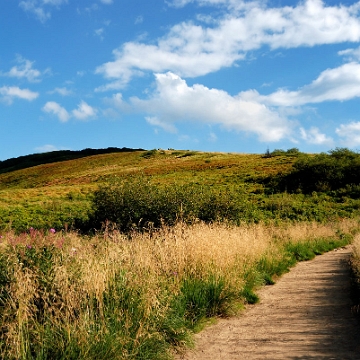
{"points": [[212, 75]]}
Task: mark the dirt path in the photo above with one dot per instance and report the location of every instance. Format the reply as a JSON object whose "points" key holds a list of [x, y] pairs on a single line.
{"points": [[305, 315]]}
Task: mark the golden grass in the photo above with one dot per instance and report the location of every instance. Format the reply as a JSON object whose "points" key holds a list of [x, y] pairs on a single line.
{"points": [[356, 248], [156, 263]]}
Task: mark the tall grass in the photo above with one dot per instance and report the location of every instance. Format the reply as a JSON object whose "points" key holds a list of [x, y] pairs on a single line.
{"points": [[64, 296], [355, 266]]}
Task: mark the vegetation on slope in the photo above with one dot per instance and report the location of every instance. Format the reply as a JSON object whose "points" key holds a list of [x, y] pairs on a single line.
{"points": [[162, 185]]}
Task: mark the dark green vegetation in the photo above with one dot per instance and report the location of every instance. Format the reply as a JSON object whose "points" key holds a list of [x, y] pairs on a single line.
{"points": [[336, 173]]}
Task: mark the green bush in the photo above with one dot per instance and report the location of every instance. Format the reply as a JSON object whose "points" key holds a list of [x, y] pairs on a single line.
{"points": [[339, 169], [138, 204]]}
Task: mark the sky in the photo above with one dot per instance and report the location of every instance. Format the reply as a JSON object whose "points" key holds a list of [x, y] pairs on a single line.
{"points": [[209, 75]]}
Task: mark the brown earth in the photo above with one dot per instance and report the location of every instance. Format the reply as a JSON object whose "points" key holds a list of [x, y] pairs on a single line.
{"points": [[305, 315]]}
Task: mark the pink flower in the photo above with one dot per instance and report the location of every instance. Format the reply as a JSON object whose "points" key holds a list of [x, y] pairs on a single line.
{"points": [[53, 231]]}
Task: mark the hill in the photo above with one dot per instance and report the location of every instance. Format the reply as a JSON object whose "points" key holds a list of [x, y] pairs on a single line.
{"points": [[60, 193], [55, 193]]}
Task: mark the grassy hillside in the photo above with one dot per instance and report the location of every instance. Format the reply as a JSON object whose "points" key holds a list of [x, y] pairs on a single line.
{"points": [[60, 194], [53, 194]]}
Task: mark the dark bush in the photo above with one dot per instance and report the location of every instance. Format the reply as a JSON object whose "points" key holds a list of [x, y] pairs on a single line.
{"points": [[325, 172], [138, 204]]}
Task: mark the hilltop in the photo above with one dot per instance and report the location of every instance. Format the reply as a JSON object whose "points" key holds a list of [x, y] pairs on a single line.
{"points": [[23, 162]]}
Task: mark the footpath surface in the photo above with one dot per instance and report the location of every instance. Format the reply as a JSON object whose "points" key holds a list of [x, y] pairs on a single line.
{"points": [[305, 315]]}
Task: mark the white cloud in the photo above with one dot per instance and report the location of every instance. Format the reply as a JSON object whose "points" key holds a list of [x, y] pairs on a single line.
{"points": [[93, 7], [40, 8], [25, 69], [168, 127], [107, 2], [84, 111], [99, 33], [349, 133], [179, 3], [175, 101], [351, 54], [314, 136], [46, 148], [56, 109], [191, 50], [229, 4], [61, 91], [8, 94], [338, 84]]}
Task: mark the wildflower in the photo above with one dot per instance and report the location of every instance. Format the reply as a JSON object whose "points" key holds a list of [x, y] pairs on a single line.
{"points": [[29, 246], [52, 230]]}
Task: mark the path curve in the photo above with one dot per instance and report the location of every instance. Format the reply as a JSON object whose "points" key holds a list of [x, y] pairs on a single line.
{"points": [[305, 315]]}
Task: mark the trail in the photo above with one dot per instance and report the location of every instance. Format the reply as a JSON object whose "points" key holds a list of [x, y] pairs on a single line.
{"points": [[305, 315]]}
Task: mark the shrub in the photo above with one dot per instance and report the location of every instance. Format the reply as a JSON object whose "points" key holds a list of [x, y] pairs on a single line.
{"points": [[138, 204], [339, 169]]}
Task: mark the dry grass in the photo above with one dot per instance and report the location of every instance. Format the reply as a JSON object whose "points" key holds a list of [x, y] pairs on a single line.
{"points": [[152, 265]]}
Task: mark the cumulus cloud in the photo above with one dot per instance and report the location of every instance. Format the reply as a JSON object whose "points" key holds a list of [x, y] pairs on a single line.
{"points": [[56, 109], [84, 111], [41, 8], [8, 93], [338, 84], [314, 136], [349, 134], [191, 49], [268, 116], [175, 101], [25, 69]]}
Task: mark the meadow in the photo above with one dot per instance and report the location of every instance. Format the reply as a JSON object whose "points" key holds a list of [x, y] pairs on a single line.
{"points": [[126, 255]]}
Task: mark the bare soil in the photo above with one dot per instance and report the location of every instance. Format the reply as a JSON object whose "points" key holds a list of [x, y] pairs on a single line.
{"points": [[307, 314]]}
